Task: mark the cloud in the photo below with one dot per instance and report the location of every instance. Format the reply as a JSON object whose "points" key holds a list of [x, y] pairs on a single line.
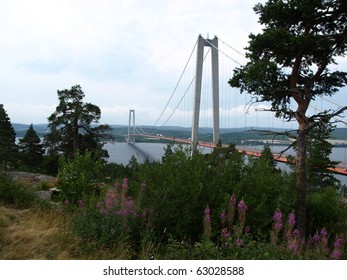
{"points": [[126, 54]]}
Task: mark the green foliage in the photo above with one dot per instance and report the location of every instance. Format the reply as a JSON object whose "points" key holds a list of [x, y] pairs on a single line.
{"points": [[31, 150], [264, 190], [74, 126], [184, 185], [288, 62], [77, 177], [112, 218], [319, 151], [326, 209], [8, 148], [15, 194]]}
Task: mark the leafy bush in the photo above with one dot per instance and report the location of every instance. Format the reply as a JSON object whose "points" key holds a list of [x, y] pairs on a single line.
{"points": [[182, 186], [265, 189], [326, 209], [15, 193], [78, 177], [113, 218]]}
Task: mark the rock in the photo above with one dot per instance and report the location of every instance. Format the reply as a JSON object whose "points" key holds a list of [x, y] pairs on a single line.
{"points": [[30, 178], [44, 195]]}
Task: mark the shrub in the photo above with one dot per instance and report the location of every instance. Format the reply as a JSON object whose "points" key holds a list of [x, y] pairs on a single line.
{"points": [[264, 189], [326, 209], [78, 177], [15, 193], [113, 218], [182, 186]]}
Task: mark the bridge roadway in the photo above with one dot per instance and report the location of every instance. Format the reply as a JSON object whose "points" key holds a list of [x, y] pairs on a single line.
{"points": [[339, 169]]}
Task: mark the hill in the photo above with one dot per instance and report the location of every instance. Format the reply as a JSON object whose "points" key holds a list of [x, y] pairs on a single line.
{"points": [[228, 135]]}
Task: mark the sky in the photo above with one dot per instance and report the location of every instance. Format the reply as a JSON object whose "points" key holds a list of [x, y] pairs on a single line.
{"points": [[125, 54]]}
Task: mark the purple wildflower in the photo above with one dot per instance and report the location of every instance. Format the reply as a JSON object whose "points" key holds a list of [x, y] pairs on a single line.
{"points": [[293, 245], [242, 206], [338, 242], [239, 242], [122, 212], [223, 217], [247, 229], [207, 214], [296, 232], [278, 226], [278, 216], [278, 220], [323, 232], [336, 254], [233, 200], [316, 238], [225, 233], [291, 219]]}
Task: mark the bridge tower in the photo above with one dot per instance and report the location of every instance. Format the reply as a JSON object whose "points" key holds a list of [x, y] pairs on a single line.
{"points": [[131, 127], [213, 44]]}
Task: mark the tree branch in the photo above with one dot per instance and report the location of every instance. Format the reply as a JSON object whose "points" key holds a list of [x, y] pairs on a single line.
{"points": [[275, 133], [324, 118]]}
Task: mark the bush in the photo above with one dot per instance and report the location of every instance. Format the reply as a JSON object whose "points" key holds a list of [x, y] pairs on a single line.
{"points": [[182, 186], [326, 209], [16, 193], [265, 189], [112, 219], [78, 177]]}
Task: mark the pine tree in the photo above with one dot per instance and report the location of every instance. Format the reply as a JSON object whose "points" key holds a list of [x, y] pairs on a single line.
{"points": [[75, 126], [31, 150], [8, 147], [289, 67], [319, 150]]}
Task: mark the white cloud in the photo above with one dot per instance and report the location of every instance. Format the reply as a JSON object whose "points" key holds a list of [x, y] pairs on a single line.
{"points": [[126, 54]]}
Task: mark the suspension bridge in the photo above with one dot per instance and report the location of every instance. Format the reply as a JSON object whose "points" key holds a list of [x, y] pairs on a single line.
{"points": [[212, 102]]}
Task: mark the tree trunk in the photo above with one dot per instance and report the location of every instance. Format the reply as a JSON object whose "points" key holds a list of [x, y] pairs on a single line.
{"points": [[301, 181]]}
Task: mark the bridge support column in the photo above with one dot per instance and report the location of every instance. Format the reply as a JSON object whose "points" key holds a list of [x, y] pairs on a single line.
{"points": [[131, 127], [213, 44]]}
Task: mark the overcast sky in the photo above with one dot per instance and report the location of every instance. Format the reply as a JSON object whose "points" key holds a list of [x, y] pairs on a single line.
{"points": [[126, 54]]}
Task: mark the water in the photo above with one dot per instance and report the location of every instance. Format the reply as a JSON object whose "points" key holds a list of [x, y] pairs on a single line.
{"points": [[121, 153]]}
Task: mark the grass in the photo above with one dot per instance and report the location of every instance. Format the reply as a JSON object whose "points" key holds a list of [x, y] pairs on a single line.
{"points": [[39, 234], [34, 234]]}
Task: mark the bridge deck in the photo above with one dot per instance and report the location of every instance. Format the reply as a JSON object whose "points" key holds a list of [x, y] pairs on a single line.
{"points": [[339, 169]]}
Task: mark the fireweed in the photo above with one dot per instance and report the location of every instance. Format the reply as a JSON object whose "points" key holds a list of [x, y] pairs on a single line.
{"points": [[292, 240], [114, 217], [319, 243], [277, 226], [231, 234]]}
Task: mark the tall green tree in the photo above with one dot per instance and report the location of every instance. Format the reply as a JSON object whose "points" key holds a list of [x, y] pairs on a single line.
{"points": [[31, 149], [75, 126], [318, 162], [8, 147], [288, 64]]}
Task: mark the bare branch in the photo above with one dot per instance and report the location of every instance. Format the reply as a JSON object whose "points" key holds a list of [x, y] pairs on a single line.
{"points": [[253, 100], [286, 149], [275, 133], [321, 118]]}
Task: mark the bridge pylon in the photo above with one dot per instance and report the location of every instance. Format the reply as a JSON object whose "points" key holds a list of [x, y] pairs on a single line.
{"points": [[131, 127], [213, 44]]}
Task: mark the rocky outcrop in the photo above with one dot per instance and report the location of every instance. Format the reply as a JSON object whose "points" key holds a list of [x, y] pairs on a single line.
{"points": [[30, 178]]}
